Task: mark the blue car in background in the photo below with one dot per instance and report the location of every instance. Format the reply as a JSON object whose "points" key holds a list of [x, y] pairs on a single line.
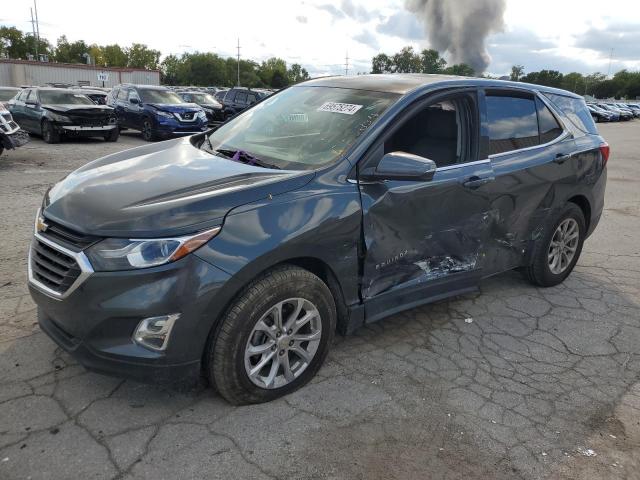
{"points": [[156, 111]]}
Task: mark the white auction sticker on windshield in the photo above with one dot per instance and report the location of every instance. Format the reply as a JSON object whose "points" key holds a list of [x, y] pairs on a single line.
{"points": [[335, 107]]}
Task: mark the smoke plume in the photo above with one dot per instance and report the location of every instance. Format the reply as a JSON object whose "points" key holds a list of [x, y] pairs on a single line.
{"points": [[460, 27]]}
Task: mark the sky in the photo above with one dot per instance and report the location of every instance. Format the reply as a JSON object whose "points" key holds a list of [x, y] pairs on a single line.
{"points": [[565, 35]]}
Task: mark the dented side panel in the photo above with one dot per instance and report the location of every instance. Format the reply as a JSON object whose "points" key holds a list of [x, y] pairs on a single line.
{"points": [[417, 234]]}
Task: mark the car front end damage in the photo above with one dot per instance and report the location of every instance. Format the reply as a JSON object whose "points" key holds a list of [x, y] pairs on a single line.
{"points": [[81, 122]]}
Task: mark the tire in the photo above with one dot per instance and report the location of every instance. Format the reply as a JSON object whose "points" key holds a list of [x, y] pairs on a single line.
{"points": [[542, 271], [148, 132], [112, 136], [227, 365], [49, 134]]}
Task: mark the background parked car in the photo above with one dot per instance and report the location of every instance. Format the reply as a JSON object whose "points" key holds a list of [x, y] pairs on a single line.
{"points": [[54, 112], [156, 111], [624, 115], [7, 93], [239, 98], [209, 104], [600, 115]]}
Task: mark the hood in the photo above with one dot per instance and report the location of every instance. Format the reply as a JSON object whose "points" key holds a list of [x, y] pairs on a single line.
{"points": [[72, 108], [163, 189], [176, 107]]}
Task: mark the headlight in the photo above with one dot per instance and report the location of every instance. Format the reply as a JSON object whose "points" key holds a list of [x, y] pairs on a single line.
{"points": [[58, 118], [164, 114], [202, 115], [114, 254]]}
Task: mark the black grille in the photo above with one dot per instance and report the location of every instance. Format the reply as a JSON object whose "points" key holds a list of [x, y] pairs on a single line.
{"points": [[53, 268], [67, 237], [187, 115]]}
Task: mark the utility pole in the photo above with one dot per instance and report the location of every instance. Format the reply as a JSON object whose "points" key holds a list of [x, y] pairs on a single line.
{"points": [[238, 61], [610, 58], [346, 64], [35, 7], [33, 29]]}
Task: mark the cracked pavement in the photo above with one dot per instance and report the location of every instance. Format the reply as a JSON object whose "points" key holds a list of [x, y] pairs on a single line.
{"points": [[511, 382]]}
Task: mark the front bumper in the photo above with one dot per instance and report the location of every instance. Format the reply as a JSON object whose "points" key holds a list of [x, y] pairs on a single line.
{"points": [[14, 140], [95, 323], [84, 130], [167, 127]]}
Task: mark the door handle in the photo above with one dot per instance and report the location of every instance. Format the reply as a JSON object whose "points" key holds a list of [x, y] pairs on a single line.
{"points": [[476, 181], [561, 158]]}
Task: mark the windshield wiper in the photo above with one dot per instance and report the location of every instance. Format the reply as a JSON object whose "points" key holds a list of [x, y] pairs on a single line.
{"points": [[245, 157]]}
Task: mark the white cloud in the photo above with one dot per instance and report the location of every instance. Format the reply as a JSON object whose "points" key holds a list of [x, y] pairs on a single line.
{"points": [[551, 33]]}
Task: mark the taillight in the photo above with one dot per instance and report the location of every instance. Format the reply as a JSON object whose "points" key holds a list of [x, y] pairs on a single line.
{"points": [[604, 150]]}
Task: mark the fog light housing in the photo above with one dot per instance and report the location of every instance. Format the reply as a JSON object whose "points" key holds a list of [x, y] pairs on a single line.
{"points": [[154, 332]]}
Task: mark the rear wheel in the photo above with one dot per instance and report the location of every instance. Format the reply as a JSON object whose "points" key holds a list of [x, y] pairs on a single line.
{"points": [[274, 337], [148, 132], [556, 253], [112, 135], [49, 134]]}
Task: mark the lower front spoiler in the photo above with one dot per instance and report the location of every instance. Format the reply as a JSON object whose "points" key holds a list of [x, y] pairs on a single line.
{"points": [[182, 375]]}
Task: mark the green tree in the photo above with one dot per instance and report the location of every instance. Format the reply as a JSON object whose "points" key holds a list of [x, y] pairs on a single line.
{"points": [[407, 61], [549, 78], [517, 71], [12, 43], [574, 82], [382, 63], [432, 62], [273, 72], [297, 73], [70, 52], [141, 56], [114, 56], [461, 69]]}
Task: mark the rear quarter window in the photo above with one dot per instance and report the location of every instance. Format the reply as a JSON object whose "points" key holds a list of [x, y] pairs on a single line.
{"points": [[575, 110]]}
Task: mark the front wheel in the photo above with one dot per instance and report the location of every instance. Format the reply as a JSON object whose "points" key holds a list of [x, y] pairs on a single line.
{"points": [[49, 134], [274, 338], [557, 251]]}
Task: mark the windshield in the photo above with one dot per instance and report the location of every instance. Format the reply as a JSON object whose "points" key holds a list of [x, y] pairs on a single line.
{"points": [[53, 97], [302, 128], [7, 94], [203, 98], [159, 96]]}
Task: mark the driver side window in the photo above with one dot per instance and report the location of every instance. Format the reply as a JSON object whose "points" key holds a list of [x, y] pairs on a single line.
{"points": [[441, 132]]}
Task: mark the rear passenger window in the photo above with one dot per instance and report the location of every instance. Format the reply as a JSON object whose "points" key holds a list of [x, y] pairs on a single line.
{"points": [[251, 98], [241, 97], [549, 127], [513, 123], [576, 110]]}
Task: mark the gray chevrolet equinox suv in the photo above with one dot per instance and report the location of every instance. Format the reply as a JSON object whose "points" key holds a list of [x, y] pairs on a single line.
{"points": [[235, 254]]}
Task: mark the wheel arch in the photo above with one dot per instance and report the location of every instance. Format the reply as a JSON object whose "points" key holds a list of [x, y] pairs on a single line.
{"points": [[583, 202], [312, 264]]}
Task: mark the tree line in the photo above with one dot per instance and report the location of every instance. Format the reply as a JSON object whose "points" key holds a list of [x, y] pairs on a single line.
{"points": [[409, 61], [623, 84], [186, 69]]}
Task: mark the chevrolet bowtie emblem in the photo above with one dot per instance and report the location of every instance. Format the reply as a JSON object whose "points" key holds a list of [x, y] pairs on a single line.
{"points": [[41, 226]]}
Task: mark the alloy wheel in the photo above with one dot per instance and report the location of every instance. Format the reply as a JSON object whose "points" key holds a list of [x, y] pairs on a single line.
{"points": [[563, 246], [283, 343]]}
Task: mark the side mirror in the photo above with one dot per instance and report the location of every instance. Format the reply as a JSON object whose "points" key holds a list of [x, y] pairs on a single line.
{"points": [[401, 166], [134, 100]]}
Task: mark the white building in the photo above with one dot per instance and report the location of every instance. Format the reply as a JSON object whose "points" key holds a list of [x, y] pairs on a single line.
{"points": [[16, 73]]}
